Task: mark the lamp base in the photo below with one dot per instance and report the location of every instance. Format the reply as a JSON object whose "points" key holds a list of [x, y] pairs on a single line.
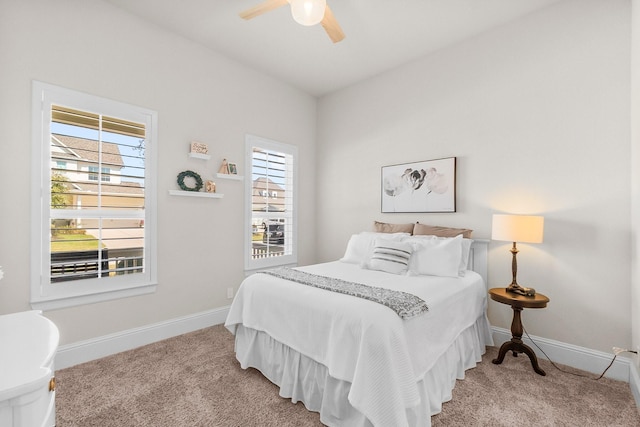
{"points": [[517, 289]]}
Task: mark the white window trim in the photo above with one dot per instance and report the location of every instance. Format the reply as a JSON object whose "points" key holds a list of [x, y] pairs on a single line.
{"points": [[44, 295], [289, 260]]}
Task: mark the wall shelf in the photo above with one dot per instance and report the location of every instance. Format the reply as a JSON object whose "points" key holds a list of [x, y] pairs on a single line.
{"points": [[196, 194], [199, 156], [230, 176]]}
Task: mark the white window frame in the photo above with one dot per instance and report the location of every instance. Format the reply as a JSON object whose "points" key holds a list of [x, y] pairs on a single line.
{"points": [[291, 238], [44, 294]]}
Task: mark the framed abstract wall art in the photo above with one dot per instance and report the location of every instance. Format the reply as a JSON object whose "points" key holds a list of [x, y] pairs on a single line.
{"points": [[425, 186]]}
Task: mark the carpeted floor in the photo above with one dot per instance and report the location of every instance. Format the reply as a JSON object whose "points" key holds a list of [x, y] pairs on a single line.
{"points": [[195, 380]]}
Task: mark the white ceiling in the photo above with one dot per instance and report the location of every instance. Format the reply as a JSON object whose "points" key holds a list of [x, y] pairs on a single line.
{"points": [[380, 34]]}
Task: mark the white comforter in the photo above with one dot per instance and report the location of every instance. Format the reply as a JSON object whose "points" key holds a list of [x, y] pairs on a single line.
{"points": [[361, 341]]}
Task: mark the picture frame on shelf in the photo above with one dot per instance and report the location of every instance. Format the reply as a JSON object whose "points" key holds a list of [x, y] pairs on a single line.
{"points": [[224, 167], [199, 148], [233, 168]]}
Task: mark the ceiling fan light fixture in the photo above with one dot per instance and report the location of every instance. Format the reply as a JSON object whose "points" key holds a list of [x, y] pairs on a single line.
{"points": [[308, 12]]}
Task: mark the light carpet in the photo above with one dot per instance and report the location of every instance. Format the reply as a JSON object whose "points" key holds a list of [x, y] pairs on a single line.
{"points": [[195, 380]]}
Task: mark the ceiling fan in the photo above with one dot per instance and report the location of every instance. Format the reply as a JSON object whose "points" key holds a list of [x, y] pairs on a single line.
{"points": [[305, 12]]}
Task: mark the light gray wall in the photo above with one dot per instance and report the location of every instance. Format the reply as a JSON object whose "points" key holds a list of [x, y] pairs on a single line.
{"points": [[635, 174], [94, 47], [538, 114]]}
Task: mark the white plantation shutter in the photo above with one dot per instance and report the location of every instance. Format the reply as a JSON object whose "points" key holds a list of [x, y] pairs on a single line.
{"points": [[99, 197], [89, 120], [271, 228]]}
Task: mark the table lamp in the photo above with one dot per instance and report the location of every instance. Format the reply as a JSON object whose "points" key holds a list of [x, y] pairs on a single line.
{"points": [[517, 228]]}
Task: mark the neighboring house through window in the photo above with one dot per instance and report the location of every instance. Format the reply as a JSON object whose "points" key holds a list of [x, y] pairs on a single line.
{"points": [[271, 218], [93, 199]]}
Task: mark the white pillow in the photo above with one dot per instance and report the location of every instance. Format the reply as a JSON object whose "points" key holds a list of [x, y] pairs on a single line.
{"points": [[419, 238], [466, 248], [360, 245], [464, 259], [390, 256], [437, 257]]}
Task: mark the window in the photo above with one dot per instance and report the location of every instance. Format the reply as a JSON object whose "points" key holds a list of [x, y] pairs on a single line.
{"points": [[271, 228], [93, 199], [94, 174]]}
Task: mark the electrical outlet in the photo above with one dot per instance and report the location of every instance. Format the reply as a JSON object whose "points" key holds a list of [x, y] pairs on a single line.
{"points": [[229, 293]]}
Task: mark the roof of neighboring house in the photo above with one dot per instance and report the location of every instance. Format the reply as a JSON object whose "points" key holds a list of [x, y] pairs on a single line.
{"points": [[86, 149], [263, 183], [131, 188]]}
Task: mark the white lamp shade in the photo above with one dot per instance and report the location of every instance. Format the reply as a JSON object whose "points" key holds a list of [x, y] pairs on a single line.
{"points": [[308, 12], [517, 228]]}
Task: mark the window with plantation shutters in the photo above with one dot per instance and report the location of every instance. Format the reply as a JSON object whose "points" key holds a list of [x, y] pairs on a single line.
{"points": [[271, 228], [95, 198]]}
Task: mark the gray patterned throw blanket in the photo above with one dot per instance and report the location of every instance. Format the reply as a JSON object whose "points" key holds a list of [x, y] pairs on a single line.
{"points": [[405, 305]]}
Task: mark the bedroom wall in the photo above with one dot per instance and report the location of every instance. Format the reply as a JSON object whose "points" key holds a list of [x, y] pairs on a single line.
{"points": [[537, 113], [635, 174], [94, 47]]}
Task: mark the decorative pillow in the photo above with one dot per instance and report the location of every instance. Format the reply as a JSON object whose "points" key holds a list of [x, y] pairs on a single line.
{"points": [[436, 230], [390, 256], [437, 257], [360, 245], [383, 227]]}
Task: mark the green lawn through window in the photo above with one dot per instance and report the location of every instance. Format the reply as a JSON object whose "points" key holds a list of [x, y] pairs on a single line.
{"points": [[74, 242]]}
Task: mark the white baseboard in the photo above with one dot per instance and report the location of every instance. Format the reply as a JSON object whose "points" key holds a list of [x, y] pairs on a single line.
{"points": [[95, 348], [571, 355], [634, 382]]}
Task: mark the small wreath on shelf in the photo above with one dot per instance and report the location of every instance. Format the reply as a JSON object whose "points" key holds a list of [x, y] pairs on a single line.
{"points": [[195, 176]]}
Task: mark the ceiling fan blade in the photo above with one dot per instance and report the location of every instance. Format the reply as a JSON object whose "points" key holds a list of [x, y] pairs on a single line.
{"points": [[331, 26], [261, 8]]}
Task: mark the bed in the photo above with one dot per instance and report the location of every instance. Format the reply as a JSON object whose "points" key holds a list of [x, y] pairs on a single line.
{"points": [[357, 361]]}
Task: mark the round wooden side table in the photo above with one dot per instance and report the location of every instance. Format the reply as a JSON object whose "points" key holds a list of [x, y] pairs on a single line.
{"points": [[517, 303]]}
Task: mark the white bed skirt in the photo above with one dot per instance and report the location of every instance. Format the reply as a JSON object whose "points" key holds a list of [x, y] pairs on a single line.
{"points": [[303, 379]]}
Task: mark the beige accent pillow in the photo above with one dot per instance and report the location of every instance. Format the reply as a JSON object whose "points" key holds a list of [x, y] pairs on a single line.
{"points": [[436, 230], [383, 227]]}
